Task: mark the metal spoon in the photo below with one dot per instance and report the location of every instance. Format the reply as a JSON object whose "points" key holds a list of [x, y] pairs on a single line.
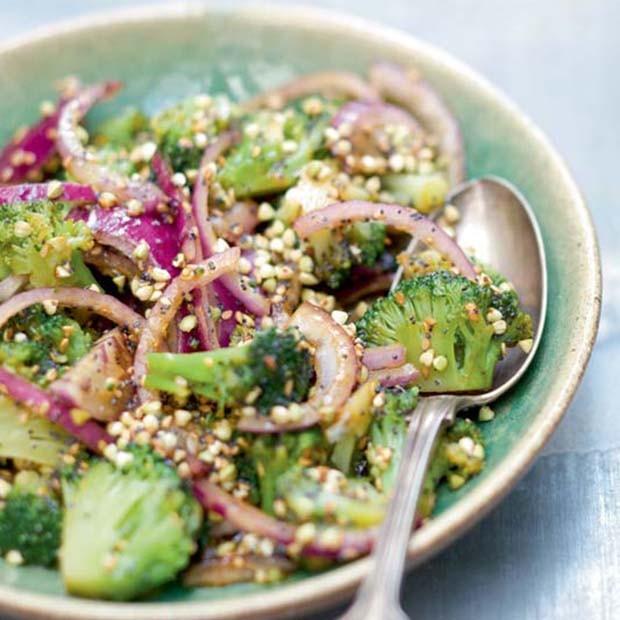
{"points": [[499, 224]]}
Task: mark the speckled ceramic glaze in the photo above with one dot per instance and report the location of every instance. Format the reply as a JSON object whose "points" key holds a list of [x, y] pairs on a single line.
{"points": [[163, 54]]}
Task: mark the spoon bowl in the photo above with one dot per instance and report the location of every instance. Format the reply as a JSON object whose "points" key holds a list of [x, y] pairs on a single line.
{"points": [[498, 227], [498, 224]]}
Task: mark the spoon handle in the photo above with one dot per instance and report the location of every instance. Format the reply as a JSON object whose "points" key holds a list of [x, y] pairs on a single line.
{"points": [[378, 597]]}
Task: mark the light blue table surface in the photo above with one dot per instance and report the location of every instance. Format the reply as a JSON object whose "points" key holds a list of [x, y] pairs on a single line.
{"points": [[552, 548]]}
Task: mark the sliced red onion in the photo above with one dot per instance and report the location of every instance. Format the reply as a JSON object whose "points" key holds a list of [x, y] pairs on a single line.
{"points": [[103, 305], [11, 285], [412, 92], [116, 229], [248, 518], [33, 397], [391, 377], [190, 246], [241, 219], [335, 364], [22, 159], [328, 83], [84, 166], [71, 193], [402, 218], [223, 571], [250, 299], [100, 382], [376, 283], [161, 315], [388, 356], [110, 262]]}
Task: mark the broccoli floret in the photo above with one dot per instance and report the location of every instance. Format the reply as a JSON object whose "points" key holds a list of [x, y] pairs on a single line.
{"points": [[336, 252], [322, 494], [275, 363], [272, 456], [387, 434], [28, 437], [274, 148], [31, 524], [425, 192], [127, 530], [451, 314], [40, 346], [452, 460], [180, 130], [458, 456], [38, 240], [122, 130]]}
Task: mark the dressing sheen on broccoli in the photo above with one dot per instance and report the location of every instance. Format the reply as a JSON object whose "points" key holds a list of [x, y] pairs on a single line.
{"points": [[31, 523], [35, 343], [37, 240], [127, 531], [451, 314], [274, 363]]}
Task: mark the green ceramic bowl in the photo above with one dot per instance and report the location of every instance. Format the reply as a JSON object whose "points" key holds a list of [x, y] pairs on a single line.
{"points": [[163, 54]]}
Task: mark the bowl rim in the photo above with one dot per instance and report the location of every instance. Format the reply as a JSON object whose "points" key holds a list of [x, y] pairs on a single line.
{"points": [[329, 588]]}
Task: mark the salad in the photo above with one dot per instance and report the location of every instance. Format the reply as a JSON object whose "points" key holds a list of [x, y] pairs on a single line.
{"points": [[204, 374]]}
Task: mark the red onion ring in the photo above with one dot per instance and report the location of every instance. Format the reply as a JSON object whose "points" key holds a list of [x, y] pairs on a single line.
{"points": [[110, 262], [116, 229], [375, 284], [391, 377], [415, 94], [162, 313], [33, 397], [223, 571], [248, 518], [71, 193], [388, 356], [23, 159], [252, 300], [86, 385], [190, 246], [402, 218], [83, 165], [103, 305], [11, 285], [334, 83], [335, 364], [241, 219]]}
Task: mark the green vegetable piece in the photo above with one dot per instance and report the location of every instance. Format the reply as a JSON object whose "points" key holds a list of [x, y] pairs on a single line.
{"points": [[122, 130], [341, 500], [451, 312], [425, 192], [273, 456], [25, 436], [387, 436], [40, 343], [127, 531], [268, 160], [337, 251], [38, 240], [31, 523], [273, 362], [177, 129]]}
